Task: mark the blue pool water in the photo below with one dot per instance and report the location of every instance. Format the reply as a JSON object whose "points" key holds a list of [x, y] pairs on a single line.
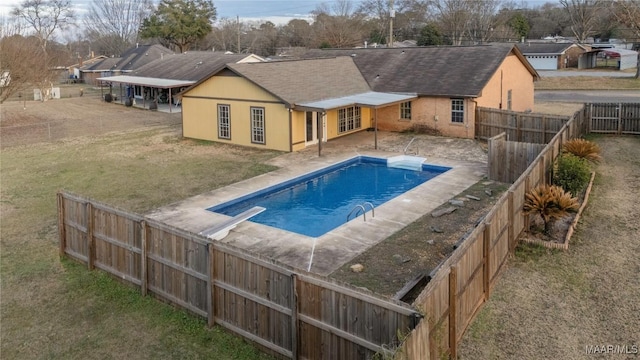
{"points": [[318, 202]]}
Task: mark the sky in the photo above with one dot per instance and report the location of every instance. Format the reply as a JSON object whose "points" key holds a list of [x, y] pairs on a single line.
{"points": [[276, 11]]}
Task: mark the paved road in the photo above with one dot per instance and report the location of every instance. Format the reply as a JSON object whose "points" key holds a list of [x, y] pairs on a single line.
{"points": [[583, 96], [611, 73]]}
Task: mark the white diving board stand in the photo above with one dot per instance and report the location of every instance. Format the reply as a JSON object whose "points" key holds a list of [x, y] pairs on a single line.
{"points": [[220, 231]]}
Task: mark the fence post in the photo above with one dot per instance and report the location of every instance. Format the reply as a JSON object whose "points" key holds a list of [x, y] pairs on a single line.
{"points": [[511, 233], [294, 316], [543, 174], [589, 125], [91, 245], [211, 319], [619, 118], [453, 289], [61, 230], [486, 244], [544, 129], [144, 282], [527, 188]]}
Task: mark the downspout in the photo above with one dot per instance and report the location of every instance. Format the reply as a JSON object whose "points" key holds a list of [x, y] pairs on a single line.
{"points": [[500, 89], [475, 116], [290, 130]]}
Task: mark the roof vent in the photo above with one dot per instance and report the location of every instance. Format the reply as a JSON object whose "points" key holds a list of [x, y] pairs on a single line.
{"points": [[353, 55]]}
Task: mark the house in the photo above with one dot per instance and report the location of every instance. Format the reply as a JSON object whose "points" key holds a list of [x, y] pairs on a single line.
{"points": [[132, 59], [553, 56], [288, 105], [158, 81]]}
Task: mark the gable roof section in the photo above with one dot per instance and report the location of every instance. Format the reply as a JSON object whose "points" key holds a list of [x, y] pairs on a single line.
{"points": [[544, 48], [452, 71], [299, 81], [193, 66], [107, 64], [140, 55]]}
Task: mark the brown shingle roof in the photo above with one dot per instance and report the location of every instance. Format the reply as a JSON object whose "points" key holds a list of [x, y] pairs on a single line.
{"points": [[432, 71], [137, 56], [305, 80], [193, 66]]}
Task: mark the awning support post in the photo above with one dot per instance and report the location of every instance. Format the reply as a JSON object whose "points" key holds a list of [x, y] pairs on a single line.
{"points": [[375, 129], [320, 135]]}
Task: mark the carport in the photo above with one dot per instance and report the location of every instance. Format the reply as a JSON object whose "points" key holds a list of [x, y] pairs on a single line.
{"points": [[146, 90], [627, 59], [373, 100]]}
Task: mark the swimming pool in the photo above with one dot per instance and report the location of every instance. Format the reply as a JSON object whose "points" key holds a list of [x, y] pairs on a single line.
{"points": [[320, 201]]}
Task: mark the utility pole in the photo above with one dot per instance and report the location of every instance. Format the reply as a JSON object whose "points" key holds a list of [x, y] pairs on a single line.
{"points": [[238, 21], [392, 14]]}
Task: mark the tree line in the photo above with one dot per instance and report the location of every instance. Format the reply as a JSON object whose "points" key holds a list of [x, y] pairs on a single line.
{"points": [[50, 32]]}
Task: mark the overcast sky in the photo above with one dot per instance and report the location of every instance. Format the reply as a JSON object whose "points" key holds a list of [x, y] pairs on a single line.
{"points": [[277, 11]]}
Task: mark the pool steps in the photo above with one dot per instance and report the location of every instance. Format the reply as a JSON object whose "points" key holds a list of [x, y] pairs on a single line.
{"points": [[221, 230], [406, 162]]}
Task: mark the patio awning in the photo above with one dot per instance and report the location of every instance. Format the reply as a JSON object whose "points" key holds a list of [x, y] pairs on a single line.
{"points": [[369, 99], [147, 81]]}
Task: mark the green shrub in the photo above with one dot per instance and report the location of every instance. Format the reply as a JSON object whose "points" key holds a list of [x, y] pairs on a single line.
{"points": [[572, 173]]}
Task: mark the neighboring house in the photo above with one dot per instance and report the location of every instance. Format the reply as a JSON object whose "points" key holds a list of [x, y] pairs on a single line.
{"points": [[131, 60], [161, 79], [288, 105], [89, 74], [553, 56]]}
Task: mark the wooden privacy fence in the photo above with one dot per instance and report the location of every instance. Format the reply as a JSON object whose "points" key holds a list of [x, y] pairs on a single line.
{"points": [[464, 281], [288, 313], [614, 118], [510, 158], [518, 126]]}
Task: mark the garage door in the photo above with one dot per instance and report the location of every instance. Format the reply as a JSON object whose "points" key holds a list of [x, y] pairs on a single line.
{"points": [[543, 62]]}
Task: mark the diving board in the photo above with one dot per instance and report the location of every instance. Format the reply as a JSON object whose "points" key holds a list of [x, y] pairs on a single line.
{"points": [[219, 231]]}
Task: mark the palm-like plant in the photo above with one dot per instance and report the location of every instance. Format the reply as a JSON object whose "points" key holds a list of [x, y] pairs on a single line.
{"points": [[550, 203], [583, 149]]}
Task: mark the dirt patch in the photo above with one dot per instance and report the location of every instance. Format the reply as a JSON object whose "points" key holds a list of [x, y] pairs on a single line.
{"points": [[418, 248], [557, 304]]}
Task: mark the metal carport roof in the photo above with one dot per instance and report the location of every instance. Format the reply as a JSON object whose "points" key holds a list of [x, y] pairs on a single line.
{"points": [[369, 99], [147, 81]]}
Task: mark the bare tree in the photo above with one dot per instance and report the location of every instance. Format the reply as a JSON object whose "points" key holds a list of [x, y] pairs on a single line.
{"points": [[584, 16], [483, 19], [115, 23], [45, 17], [455, 18], [338, 25], [21, 67], [627, 13]]}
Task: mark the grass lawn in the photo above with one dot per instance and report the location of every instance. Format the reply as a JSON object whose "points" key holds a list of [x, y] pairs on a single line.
{"points": [[587, 83], [59, 310]]}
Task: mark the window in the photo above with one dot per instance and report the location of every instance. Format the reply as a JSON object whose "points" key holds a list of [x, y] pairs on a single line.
{"points": [[457, 110], [257, 125], [405, 110], [349, 119], [224, 122], [509, 99]]}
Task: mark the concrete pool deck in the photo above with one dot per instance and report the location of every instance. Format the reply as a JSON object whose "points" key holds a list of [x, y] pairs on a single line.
{"points": [[325, 254]]}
